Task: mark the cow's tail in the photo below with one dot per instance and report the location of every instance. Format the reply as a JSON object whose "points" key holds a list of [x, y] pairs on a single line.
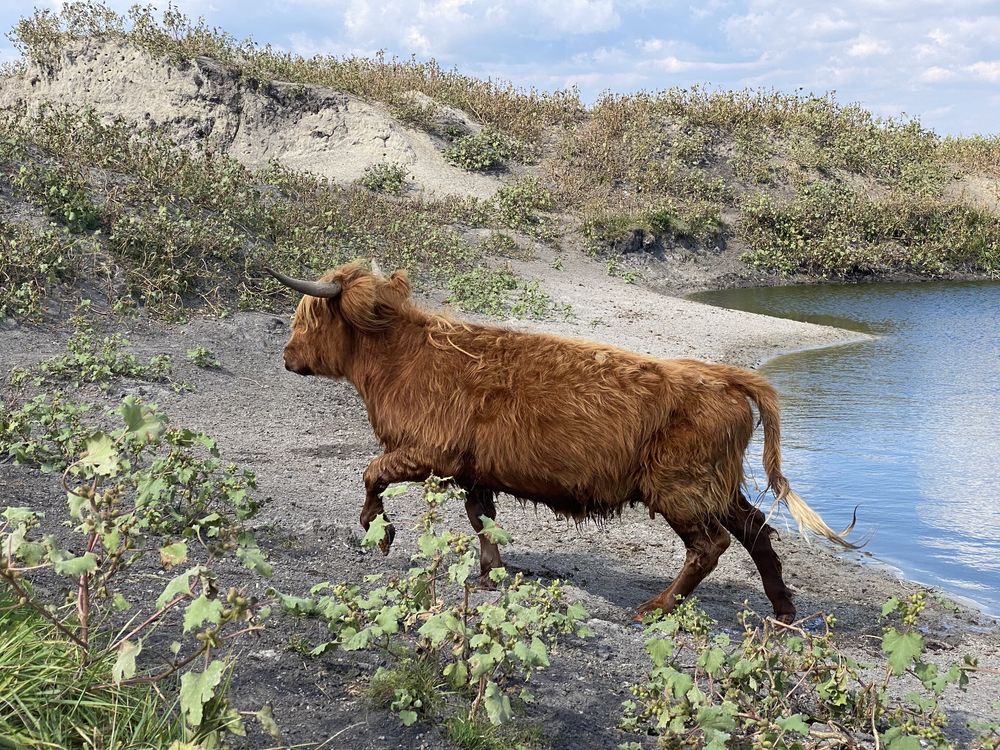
{"points": [[765, 397]]}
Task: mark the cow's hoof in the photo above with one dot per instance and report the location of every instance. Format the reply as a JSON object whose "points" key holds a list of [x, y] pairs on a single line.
{"points": [[785, 618], [386, 544], [486, 583], [652, 607]]}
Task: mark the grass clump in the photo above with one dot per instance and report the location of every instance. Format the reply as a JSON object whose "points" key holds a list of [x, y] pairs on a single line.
{"points": [[50, 700]]}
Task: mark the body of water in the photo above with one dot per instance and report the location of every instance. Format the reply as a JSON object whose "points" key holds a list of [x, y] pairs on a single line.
{"points": [[906, 426]]}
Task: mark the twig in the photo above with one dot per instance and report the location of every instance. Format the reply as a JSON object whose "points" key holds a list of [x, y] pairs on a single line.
{"points": [[42, 611], [330, 739], [152, 618], [154, 678]]}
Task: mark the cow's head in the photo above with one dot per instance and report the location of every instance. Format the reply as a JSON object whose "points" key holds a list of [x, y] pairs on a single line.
{"points": [[334, 311]]}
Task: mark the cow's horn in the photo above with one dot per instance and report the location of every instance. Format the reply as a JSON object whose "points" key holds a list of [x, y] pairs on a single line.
{"points": [[376, 268], [325, 289]]}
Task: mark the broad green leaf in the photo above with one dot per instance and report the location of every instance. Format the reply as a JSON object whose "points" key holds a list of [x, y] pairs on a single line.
{"points": [[440, 626], [575, 611], [100, 455], [395, 490], [660, 649], [201, 610], [904, 742], [719, 718], [31, 553], [254, 559], [794, 723], [197, 689], [497, 704], [119, 602], [179, 585], [295, 604], [458, 572], [494, 533], [357, 641], [376, 532], [388, 619], [111, 539], [323, 648], [173, 554], [891, 605], [712, 659], [142, 423], [539, 652], [77, 503], [124, 667], [266, 718], [408, 717], [76, 566], [457, 674], [902, 649], [18, 514]]}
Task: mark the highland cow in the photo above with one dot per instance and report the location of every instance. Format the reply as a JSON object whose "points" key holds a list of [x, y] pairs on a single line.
{"points": [[583, 428]]}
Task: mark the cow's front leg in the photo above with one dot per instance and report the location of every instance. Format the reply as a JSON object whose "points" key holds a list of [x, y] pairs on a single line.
{"points": [[479, 503], [389, 468]]}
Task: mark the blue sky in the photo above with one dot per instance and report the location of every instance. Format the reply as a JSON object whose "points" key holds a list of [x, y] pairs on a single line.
{"points": [[936, 60]]}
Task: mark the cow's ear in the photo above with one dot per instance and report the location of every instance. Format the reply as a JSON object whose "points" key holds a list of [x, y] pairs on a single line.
{"points": [[400, 283]]}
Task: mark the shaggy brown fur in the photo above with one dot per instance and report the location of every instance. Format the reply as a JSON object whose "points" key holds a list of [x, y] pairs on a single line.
{"points": [[580, 427]]}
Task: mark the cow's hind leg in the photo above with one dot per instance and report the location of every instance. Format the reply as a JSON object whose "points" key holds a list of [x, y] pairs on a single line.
{"points": [[479, 503], [395, 466], [705, 540], [750, 527]]}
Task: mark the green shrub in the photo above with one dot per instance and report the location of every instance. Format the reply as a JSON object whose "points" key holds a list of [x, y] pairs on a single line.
{"points": [[487, 150], [384, 178], [30, 261], [770, 687], [144, 492], [518, 203], [830, 230], [63, 193], [89, 360], [448, 657], [204, 358]]}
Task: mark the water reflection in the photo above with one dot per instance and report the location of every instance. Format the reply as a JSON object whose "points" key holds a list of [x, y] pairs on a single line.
{"points": [[907, 425]]}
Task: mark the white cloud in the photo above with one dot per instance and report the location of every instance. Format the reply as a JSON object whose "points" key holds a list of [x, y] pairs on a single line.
{"points": [[986, 70], [864, 45], [937, 74]]}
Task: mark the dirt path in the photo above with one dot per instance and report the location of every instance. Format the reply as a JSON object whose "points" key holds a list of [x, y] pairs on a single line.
{"points": [[309, 441]]}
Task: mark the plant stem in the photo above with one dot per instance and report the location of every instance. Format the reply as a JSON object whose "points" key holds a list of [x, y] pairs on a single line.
{"points": [[23, 594]]}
